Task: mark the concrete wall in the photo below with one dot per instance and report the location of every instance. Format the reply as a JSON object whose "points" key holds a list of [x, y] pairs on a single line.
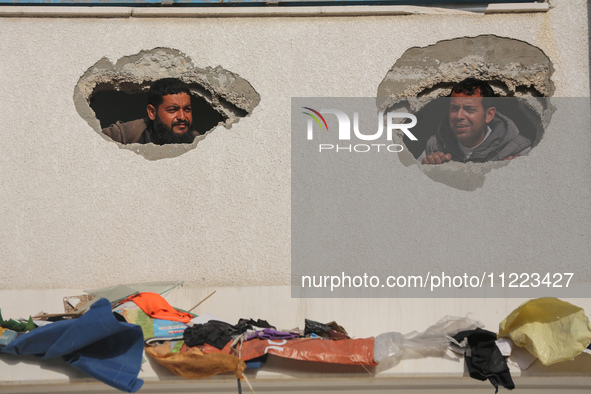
{"points": [[78, 211]]}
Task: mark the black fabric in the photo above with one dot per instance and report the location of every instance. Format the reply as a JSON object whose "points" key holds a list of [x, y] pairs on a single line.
{"points": [[214, 332], [313, 327], [484, 359], [218, 333], [247, 324]]}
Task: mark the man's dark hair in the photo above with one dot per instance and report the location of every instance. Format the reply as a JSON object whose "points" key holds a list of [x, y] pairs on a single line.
{"points": [[470, 86], [164, 87]]}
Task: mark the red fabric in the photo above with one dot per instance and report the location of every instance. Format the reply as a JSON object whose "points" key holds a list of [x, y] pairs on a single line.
{"points": [[155, 306], [346, 351]]}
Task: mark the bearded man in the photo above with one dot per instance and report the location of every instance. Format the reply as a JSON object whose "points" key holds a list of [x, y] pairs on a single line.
{"points": [[169, 120]]}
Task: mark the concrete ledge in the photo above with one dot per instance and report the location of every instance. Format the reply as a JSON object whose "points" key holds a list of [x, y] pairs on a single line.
{"points": [[512, 8], [566, 385], [293, 11], [235, 12], [65, 12], [361, 318]]}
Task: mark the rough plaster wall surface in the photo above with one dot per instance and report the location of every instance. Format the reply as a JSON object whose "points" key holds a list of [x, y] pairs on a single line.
{"points": [[76, 208], [513, 63]]}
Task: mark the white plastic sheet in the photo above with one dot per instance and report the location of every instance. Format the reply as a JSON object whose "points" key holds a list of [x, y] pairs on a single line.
{"points": [[433, 342]]}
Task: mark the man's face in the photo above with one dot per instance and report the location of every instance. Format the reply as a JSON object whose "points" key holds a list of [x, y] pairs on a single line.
{"points": [[173, 117], [468, 118]]}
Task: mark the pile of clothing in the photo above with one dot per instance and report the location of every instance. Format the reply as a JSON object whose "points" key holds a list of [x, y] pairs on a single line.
{"points": [[107, 341], [201, 346]]}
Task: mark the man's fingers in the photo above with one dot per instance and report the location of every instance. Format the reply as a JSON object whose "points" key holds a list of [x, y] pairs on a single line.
{"points": [[428, 160], [431, 159], [441, 157], [437, 158]]}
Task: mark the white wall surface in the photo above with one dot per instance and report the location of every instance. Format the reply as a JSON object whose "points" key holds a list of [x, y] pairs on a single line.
{"points": [[75, 210]]}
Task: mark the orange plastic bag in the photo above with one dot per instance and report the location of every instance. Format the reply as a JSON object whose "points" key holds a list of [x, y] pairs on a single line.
{"points": [[155, 306], [347, 351]]}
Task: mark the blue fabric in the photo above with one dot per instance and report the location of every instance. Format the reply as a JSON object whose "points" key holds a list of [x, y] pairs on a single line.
{"points": [[256, 363], [95, 344]]}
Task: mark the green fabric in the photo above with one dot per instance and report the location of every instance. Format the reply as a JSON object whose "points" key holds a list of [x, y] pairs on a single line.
{"points": [[17, 326]]}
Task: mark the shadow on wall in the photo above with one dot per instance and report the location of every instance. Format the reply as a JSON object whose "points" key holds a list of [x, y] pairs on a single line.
{"points": [[108, 93], [513, 68]]}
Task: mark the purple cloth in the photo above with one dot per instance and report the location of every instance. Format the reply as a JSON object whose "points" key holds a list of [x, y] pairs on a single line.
{"points": [[269, 333]]}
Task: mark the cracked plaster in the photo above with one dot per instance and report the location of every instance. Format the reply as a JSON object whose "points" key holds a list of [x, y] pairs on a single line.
{"points": [[227, 93]]}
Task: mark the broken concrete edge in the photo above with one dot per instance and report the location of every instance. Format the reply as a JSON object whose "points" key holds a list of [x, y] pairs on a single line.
{"points": [[461, 176], [154, 152], [229, 94], [234, 12], [426, 71]]}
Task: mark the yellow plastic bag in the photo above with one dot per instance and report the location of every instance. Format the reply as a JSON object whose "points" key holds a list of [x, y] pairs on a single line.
{"points": [[550, 329]]}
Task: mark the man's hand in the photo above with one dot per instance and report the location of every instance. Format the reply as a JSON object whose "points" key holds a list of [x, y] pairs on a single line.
{"points": [[510, 157], [437, 158]]}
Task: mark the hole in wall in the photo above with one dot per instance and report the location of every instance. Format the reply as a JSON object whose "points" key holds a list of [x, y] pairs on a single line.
{"points": [[111, 106], [517, 71], [108, 93]]}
